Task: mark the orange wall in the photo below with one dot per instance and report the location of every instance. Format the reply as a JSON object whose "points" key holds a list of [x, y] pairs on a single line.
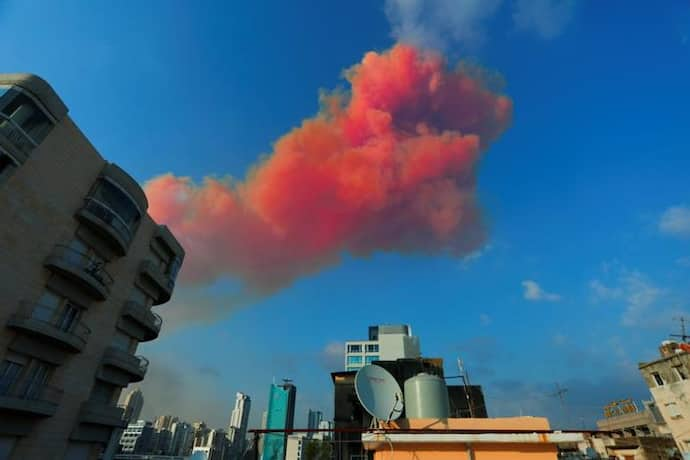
{"points": [[459, 452]]}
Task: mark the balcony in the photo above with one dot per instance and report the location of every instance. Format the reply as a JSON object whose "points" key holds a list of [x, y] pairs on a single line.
{"points": [[163, 283], [43, 322], [30, 398], [82, 269], [144, 317], [107, 223], [16, 136], [98, 413], [134, 366]]}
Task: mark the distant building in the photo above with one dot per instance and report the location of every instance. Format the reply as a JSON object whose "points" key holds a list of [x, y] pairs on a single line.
{"points": [[385, 343], [164, 422], [668, 379], [294, 448], [636, 420], [136, 439], [324, 435], [313, 420], [280, 416], [213, 447], [133, 404], [83, 263], [182, 438], [239, 421]]}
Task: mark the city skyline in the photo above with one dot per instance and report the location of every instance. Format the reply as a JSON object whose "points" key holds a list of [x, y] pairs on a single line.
{"points": [[585, 194]]}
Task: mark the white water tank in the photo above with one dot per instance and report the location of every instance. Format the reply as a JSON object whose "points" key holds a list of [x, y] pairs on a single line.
{"points": [[426, 396]]}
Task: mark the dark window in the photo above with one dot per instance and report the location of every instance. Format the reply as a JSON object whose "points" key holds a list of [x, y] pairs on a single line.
{"points": [[24, 113], [657, 378], [7, 165], [680, 372], [118, 201], [9, 372]]}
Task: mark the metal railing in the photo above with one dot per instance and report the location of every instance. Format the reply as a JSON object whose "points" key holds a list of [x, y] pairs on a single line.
{"points": [[142, 313], [143, 363], [54, 318], [165, 279], [30, 391], [103, 212], [88, 264], [16, 134]]}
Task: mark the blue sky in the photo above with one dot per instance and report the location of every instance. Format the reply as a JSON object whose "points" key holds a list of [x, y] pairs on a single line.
{"points": [[586, 193]]}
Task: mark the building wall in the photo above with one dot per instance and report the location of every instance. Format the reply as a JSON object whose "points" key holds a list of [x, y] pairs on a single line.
{"points": [[280, 416], [671, 397], [38, 203], [386, 343]]}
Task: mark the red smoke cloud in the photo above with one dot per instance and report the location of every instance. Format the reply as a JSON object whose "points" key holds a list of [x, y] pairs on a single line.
{"points": [[389, 168]]}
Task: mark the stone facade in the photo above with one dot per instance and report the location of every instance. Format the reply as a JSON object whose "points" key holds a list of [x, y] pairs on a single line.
{"points": [[82, 265]]}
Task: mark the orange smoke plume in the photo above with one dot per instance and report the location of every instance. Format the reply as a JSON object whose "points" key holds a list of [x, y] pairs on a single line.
{"points": [[391, 167]]}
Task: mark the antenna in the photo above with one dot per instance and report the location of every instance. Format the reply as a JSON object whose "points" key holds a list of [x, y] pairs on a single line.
{"points": [[560, 394], [468, 388], [683, 336], [379, 393]]}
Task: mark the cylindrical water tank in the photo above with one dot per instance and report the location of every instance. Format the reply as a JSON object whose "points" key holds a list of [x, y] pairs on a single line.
{"points": [[426, 396]]}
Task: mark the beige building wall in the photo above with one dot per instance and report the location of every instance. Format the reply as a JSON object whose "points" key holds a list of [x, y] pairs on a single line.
{"points": [[72, 412], [668, 380]]}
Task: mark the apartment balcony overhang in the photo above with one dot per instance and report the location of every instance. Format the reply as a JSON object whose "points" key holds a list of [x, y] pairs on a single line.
{"points": [[73, 338], [107, 224], [161, 282], [89, 275], [118, 176], [97, 413], [39, 401], [40, 89], [133, 367], [148, 323]]}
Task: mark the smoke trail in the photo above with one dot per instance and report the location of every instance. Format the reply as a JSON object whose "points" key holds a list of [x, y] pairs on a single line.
{"points": [[389, 167]]}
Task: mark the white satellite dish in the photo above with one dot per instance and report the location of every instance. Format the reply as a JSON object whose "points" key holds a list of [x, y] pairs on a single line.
{"points": [[379, 393]]}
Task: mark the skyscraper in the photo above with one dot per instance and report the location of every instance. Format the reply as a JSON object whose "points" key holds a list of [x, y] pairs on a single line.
{"points": [[82, 264], [313, 420], [133, 404], [280, 416], [239, 419]]}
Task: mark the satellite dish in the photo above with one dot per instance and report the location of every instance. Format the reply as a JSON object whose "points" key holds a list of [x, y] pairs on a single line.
{"points": [[379, 393]]}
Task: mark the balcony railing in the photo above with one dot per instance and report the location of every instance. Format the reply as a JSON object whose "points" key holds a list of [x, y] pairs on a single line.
{"points": [[19, 138], [57, 324], [31, 397], [83, 266], [112, 221], [136, 366], [163, 281], [145, 318]]}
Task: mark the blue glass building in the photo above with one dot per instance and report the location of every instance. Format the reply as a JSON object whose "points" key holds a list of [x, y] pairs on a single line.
{"points": [[280, 416]]}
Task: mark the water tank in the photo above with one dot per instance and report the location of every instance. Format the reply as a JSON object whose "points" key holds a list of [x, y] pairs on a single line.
{"points": [[426, 396]]}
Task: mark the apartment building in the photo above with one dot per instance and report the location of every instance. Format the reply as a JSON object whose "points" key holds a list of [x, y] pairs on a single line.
{"points": [[385, 343], [82, 263], [668, 379]]}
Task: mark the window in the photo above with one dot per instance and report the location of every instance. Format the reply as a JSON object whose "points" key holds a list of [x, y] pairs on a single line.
{"points": [[23, 377], [354, 348], [673, 411], [7, 165], [123, 341], [352, 368], [680, 373], [6, 442], [57, 310], [371, 358], [103, 393], [119, 202], [372, 348], [9, 374], [354, 360], [657, 379], [18, 110], [139, 296]]}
